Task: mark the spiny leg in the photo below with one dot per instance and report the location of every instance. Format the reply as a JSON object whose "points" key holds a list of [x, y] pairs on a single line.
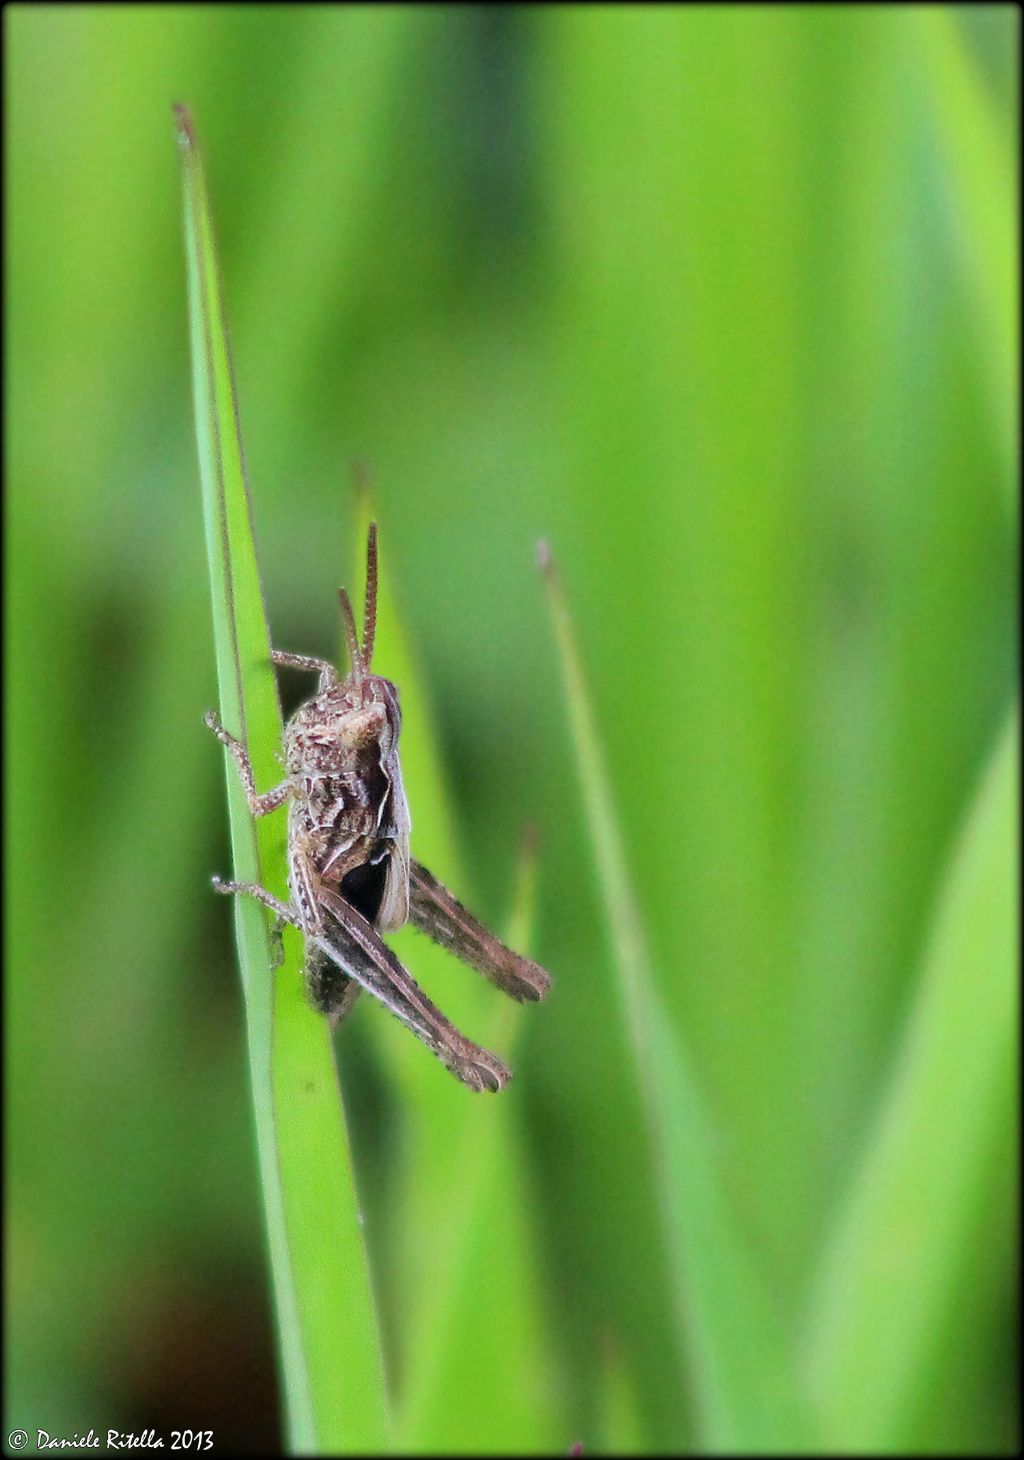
{"points": [[284, 911], [328, 673], [258, 805], [331, 991], [436, 912], [355, 950], [351, 942]]}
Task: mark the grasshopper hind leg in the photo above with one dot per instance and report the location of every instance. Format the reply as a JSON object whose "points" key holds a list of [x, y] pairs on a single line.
{"points": [[350, 942]]}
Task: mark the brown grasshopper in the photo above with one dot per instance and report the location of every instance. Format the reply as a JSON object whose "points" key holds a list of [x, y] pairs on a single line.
{"points": [[350, 874]]}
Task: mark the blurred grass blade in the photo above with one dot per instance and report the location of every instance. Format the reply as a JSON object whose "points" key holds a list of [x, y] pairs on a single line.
{"points": [[885, 1295], [981, 177], [622, 1429], [333, 1377], [464, 1174], [744, 1377], [507, 1368]]}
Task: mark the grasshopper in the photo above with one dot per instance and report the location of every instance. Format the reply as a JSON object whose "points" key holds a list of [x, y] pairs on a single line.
{"points": [[350, 873]]}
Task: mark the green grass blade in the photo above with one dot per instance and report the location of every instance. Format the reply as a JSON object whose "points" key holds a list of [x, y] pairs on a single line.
{"points": [[886, 1296], [508, 1365], [743, 1375], [333, 1379], [980, 176], [462, 1196], [622, 1429]]}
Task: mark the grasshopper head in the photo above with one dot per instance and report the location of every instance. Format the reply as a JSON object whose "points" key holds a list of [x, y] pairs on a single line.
{"points": [[357, 714]]}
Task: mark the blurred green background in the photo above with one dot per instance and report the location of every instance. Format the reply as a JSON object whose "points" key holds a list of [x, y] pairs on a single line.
{"points": [[721, 302]]}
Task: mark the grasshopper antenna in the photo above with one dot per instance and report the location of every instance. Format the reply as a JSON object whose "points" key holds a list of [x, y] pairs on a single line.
{"points": [[361, 657], [354, 651], [370, 610]]}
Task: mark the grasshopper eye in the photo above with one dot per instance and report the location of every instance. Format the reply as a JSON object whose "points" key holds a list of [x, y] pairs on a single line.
{"points": [[394, 709]]}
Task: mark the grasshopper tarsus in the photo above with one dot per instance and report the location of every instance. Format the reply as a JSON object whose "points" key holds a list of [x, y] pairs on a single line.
{"points": [[212, 720], [484, 1072]]}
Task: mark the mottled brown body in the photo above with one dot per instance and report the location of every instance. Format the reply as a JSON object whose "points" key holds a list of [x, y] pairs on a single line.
{"points": [[349, 870]]}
